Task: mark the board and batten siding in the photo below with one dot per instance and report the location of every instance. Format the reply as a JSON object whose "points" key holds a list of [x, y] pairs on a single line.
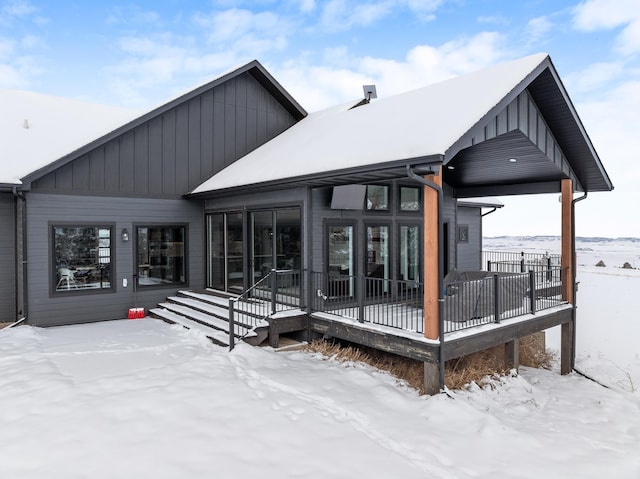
{"points": [[469, 253], [46, 209], [7, 258], [170, 154]]}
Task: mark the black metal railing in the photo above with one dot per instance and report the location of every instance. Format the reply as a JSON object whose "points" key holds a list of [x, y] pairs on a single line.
{"points": [[473, 299], [278, 290], [510, 262], [497, 296], [387, 302]]}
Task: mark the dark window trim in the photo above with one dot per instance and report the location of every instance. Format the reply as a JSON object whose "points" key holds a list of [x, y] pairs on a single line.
{"points": [[53, 270], [185, 251]]}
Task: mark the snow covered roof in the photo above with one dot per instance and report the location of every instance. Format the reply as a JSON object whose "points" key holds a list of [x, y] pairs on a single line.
{"points": [[37, 129], [418, 125]]}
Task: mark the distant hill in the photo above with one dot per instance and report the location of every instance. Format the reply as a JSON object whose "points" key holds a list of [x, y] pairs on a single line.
{"points": [[582, 239]]}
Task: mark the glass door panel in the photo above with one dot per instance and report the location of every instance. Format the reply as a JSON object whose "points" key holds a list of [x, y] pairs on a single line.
{"points": [[341, 261], [410, 255], [225, 265], [288, 239], [377, 260], [216, 260], [262, 250], [235, 252]]}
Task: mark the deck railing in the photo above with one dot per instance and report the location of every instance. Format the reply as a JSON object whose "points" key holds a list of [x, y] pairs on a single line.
{"points": [[497, 296], [386, 302], [477, 298], [509, 262]]}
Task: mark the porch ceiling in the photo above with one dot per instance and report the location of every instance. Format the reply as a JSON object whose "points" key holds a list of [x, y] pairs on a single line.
{"points": [[487, 169]]}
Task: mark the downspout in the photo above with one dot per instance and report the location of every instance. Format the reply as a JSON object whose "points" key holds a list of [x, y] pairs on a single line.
{"points": [[20, 221], [573, 275], [488, 212], [415, 177]]}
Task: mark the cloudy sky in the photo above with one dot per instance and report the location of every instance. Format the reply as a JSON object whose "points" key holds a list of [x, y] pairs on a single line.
{"points": [[140, 53]]}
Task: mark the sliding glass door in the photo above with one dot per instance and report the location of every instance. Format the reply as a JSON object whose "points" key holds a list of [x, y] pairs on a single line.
{"points": [[225, 268]]}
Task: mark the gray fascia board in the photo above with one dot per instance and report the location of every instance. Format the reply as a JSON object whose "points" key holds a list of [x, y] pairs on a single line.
{"points": [[263, 77]]}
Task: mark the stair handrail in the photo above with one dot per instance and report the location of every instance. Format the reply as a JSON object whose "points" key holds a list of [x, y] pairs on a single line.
{"points": [[244, 295]]}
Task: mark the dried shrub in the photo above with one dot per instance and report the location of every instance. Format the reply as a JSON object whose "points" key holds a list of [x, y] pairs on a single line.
{"points": [[458, 372]]}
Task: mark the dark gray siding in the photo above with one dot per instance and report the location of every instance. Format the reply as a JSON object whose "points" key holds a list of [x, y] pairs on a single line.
{"points": [[44, 209], [171, 154], [7, 259], [469, 254]]}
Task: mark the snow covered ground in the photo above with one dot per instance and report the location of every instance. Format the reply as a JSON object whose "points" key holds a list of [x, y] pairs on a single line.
{"points": [[145, 399]]}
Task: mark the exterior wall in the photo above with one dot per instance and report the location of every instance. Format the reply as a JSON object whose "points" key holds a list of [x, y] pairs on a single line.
{"points": [[44, 209], [171, 154], [469, 253], [7, 258]]}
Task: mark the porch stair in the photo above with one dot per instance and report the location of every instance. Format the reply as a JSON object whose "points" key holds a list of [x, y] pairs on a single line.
{"points": [[208, 311]]}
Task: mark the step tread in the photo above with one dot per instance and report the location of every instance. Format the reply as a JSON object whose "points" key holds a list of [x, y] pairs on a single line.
{"points": [[241, 317], [216, 334], [246, 306], [212, 321]]}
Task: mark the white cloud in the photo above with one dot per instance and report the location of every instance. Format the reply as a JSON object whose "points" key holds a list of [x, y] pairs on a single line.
{"points": [[340, 15], [17, 8], [341, 80], [537, 29], [593, 15]]}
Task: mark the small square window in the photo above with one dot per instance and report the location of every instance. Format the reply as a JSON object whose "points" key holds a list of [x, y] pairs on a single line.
{"points": [[409, 198], [377, 197], [463, 233]]}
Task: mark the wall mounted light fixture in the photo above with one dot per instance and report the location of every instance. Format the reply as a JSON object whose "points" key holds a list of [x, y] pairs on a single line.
{"points": [[125, 234]]}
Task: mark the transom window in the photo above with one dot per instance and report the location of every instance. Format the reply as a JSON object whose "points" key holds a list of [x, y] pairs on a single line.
{"points": [[160, 253], [82, 257], [409, 198], [377, 197]]}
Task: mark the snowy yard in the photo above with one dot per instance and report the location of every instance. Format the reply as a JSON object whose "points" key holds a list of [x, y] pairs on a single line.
{"points": [[146, 399]]}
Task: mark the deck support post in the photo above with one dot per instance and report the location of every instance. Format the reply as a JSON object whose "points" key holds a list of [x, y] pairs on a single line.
{"points": [[431, 378], [567, 343], [567, 352], [512, 354]]}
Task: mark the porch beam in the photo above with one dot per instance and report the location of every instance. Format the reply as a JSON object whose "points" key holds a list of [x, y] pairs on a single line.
{"points": [[431, 255]]}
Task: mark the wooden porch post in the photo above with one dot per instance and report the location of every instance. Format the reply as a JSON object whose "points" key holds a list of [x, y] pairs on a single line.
{"points": [[567, 352], [431, 254], [567, 240]]}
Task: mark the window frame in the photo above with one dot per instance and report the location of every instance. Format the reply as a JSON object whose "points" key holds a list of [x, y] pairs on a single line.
{"points": [[53, 268], [185, 255], [398, 195]]}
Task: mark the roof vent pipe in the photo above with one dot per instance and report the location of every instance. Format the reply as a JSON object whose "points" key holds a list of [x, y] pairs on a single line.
{"points": [[25, 124]]}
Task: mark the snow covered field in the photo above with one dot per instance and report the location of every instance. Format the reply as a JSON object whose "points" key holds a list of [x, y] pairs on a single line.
{"points": [[145, 399]]}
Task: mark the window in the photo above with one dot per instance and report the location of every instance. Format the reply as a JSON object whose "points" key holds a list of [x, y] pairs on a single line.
{"points": [[160, 253], [377, 197], [463, 233], [82, 257], [409, 198]]}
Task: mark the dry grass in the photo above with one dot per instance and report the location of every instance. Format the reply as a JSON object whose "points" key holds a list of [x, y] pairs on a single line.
{"points": [[4, 325], [458, 372]]}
